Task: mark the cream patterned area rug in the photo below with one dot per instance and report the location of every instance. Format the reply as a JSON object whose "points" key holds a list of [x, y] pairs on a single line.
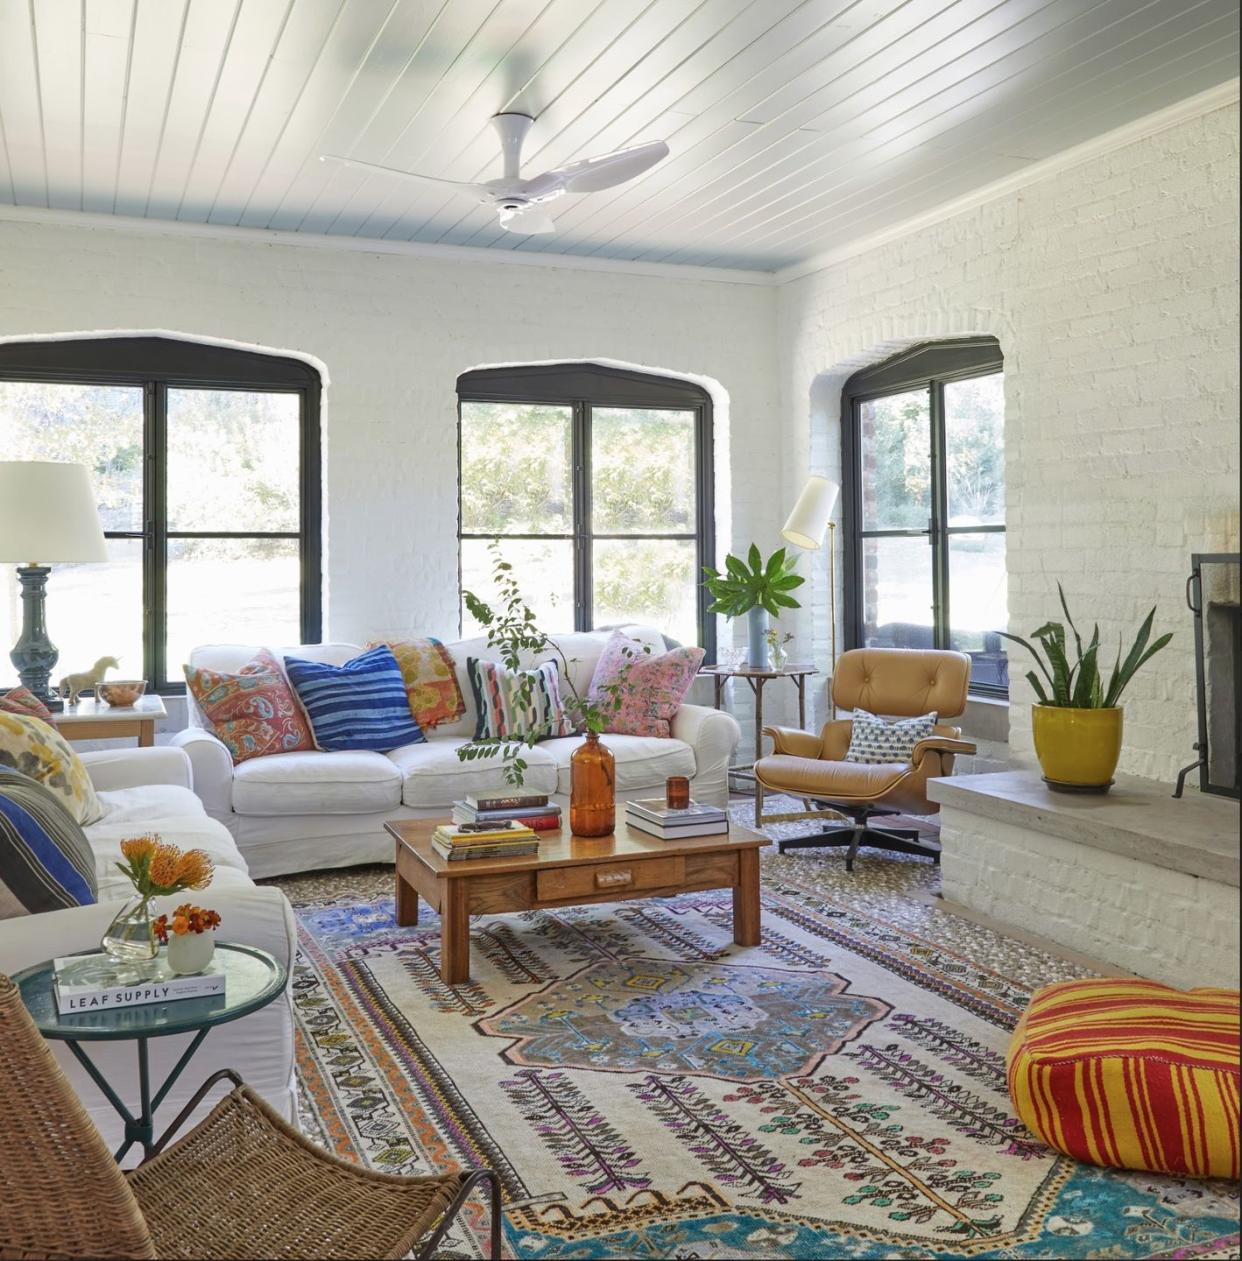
{"points": [[646, 1088]]}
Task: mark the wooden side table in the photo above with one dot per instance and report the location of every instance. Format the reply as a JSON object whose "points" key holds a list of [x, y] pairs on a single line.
{"points": [[757, 679], [91, 719]]}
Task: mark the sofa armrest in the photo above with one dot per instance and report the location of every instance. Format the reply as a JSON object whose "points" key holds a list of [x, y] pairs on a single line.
{"points": [[213, 770], [253, 916], [113, 769], [795, 742], [713, 735]]}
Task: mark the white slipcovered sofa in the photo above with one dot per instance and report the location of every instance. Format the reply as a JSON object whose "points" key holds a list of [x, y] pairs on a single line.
{"points": [[149, 790], [301, 811]]}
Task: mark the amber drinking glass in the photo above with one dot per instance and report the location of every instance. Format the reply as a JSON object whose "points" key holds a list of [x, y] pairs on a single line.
{"points": [[592, 789], [677, 792]]}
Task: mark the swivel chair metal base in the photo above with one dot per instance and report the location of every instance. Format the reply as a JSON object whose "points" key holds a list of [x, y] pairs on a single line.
{"points": [[861, 832]]}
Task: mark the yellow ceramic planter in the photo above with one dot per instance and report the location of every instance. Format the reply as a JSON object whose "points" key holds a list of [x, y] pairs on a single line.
{"points": [[1077, 747]]}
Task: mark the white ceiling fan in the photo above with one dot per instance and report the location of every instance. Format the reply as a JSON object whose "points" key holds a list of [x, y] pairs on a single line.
{"points": [[519, 202]]}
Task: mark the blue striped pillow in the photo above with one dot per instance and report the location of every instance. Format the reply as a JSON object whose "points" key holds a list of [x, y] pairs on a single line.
{"points": [[46, 861], [360, 705]]}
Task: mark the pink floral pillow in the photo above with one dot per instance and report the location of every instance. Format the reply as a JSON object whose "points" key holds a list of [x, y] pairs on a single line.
{"points": [[653, 687]]}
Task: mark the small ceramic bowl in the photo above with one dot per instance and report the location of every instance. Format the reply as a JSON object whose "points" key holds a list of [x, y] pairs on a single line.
{"points": [[121, 692]]}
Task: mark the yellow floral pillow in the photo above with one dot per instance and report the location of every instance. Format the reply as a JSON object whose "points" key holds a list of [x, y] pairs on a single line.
{"points": [[35, 749], [430, 679]]}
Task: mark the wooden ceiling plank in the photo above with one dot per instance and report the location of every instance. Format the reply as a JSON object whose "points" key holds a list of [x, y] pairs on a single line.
{"points": [[260, 24], [1074, 113], [158, 25], [456, 117], [204, 46], [297, 52], [107, 64], [20, 106], [58, 48], [898, 35], [405, 62], [986, 68], [357, 29]]}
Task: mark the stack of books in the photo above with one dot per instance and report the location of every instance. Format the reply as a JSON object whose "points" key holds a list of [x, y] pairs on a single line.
{"points": [[456, 841], [534, 810], [651, 814], [91, 983]]}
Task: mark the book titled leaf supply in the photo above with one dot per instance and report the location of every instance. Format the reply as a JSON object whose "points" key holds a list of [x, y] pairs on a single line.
{"points": [[94, 993]]}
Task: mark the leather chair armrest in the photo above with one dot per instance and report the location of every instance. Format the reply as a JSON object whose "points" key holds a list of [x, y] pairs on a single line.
{"points": [[939, 744], [792, 741]]}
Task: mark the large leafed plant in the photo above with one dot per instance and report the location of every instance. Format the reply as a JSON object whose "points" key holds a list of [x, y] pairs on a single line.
{"points": [[752, 583], [1080, 684]]}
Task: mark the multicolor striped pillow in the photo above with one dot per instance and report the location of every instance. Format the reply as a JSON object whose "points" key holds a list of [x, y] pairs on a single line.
{"points": [[1131, 1074], [360, 705], [46, 862], [502, 714]]}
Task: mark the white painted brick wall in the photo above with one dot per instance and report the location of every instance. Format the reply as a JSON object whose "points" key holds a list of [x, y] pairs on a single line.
{"points": [[1172, 927], [1113, 289], [394, 332]]}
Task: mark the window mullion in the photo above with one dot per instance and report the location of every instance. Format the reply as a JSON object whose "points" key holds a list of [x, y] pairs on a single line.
{"points": [[582, 516], [157, 466], [939, 517]]}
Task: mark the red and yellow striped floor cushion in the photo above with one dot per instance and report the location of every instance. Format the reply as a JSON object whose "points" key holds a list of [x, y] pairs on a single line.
{"points": [[1131, 1074]]}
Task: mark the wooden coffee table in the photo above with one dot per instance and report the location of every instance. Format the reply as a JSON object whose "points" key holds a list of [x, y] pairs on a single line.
{"points": [[570, 871]]}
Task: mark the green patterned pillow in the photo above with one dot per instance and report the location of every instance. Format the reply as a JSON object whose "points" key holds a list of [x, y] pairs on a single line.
{"points": [[873, 739]]}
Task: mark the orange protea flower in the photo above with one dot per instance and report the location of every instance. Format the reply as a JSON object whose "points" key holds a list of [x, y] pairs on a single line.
{"points": [[195, 869], [139, 847], [164, 864]]}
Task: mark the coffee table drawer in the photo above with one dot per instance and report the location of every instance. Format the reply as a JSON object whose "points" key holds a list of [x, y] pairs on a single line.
{"points": [[620, 878]]}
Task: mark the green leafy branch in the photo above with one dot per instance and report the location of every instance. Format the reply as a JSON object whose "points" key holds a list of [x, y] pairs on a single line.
{"points": [[750, 583], [1080, 685], [512, 629]]}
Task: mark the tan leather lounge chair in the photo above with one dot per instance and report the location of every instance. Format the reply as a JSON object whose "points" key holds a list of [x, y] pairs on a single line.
{"points": [[898, 684]]}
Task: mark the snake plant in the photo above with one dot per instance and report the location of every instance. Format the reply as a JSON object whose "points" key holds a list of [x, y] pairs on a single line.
{"points": [[1080, 685], [746, 584]]}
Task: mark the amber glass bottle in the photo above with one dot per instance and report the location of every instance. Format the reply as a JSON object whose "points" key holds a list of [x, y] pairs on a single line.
{"points": [[592, 789]]}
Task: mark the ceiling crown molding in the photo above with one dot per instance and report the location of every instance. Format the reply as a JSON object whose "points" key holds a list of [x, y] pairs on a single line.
{"points": [[1196, 106]]}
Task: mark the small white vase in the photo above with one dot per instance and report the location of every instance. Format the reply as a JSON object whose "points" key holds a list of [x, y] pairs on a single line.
{"points": [[189, 953]]}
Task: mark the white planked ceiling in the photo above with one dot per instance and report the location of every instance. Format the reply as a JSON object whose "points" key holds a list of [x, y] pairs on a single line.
{"points": [[795, 126]]}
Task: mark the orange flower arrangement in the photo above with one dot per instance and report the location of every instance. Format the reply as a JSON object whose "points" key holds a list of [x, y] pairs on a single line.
{"points": [[185, 919], [158, 870]]}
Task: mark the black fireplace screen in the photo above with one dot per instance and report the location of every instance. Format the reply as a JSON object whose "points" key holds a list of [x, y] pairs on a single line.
{"points": [[1212, 591]]}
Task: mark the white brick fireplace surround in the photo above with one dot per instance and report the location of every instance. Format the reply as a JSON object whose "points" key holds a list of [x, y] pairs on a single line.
{"points": [[1132, 878]]}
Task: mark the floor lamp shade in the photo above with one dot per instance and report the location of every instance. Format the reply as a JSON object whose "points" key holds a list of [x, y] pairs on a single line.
{"points": [[48, 514], [811, 515]]}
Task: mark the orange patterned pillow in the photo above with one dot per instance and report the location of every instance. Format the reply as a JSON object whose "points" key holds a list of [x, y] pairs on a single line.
{"points": [[1131, 1074], [253, 712], [430, 679], [21, 700]]}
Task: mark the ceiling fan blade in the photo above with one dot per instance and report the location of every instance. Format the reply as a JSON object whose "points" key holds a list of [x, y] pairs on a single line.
{"points": [[532, 220], [474, 190], [609, 169]]}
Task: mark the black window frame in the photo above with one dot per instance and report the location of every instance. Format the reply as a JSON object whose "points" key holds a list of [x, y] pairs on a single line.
{"points": [[930, 366], [157, 364], [581, 387]]}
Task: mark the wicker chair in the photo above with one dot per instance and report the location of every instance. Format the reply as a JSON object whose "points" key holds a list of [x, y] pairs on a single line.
{"points": [[241, 1184]]}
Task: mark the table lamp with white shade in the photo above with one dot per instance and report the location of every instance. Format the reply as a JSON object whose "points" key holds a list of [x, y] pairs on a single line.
{"points": [[809, 524], [48, 515]]}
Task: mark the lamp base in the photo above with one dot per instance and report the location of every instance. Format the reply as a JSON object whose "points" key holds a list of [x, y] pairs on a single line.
{"points": [[34, 654]]}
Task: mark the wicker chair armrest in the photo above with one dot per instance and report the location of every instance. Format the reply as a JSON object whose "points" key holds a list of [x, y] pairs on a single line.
{"points": [[792, 741]]}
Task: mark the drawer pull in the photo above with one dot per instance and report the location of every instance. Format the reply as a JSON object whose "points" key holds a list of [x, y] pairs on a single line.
{"points": [[613, 879]]}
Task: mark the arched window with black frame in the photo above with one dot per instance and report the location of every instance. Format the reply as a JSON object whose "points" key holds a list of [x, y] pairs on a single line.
{"points": [[924, 505], [205, 461], [596, 482]]}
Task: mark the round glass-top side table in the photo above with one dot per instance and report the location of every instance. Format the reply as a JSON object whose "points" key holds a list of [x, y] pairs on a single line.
{"points": [[253, 978]]}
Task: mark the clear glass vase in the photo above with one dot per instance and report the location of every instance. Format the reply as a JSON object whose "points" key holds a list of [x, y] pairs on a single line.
{"points": [[130, 938]]}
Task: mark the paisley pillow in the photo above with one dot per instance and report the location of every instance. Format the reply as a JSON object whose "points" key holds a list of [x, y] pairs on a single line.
{"points": [[34, 748], [652, 687], [254, 712]]}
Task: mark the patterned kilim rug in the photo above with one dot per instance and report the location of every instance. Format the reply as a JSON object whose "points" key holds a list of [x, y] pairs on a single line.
{"points": [[647, 1089]]}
